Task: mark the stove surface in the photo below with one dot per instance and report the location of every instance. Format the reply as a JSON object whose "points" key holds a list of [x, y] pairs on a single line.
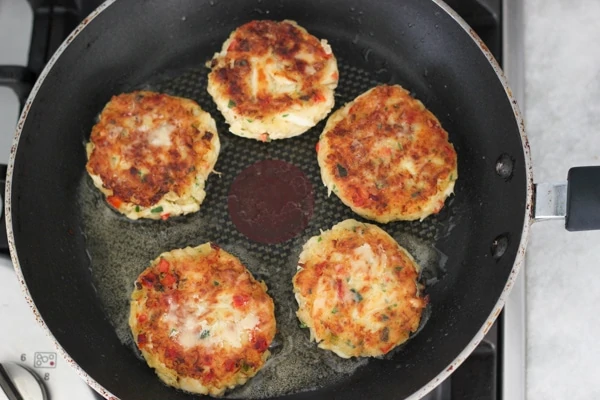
{"points": [[494, 371]]}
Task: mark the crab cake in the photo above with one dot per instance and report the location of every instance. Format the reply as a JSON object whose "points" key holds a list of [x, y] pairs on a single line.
{"points": [[201, 320], [151, 153], [273, 80], [387, 157], [357, 290]]}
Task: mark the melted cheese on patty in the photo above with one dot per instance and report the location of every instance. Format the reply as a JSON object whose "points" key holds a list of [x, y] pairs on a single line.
{"points": [[201, 320]]}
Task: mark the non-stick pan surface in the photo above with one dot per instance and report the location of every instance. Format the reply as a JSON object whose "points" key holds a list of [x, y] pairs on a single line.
{"points": [[78, 258]]}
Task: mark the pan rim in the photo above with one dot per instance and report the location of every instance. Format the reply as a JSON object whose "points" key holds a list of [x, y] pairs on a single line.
{"points": [[518, 262]]}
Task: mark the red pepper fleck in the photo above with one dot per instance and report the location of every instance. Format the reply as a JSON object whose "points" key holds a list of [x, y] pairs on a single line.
{"points": [[165, 216], [168, 280], [171, 352], [163, 266], [317, 146], [214, 246], [114, 201], [358, 199], [209, 375], [340, 288], [386, 348], [261, 344], [374, 197], [141, 339], [142, 318], [240, 299], [229, 365], [148, 279]]}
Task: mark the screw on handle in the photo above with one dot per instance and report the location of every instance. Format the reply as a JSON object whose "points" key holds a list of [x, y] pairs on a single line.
{"points": [[583, 199]]}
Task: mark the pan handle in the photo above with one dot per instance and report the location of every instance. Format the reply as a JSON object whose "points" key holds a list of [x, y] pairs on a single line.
{"points": [[577, 201]]}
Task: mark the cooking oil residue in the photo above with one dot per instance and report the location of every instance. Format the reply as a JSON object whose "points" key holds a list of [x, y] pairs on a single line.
{"points": [[431, 260], [120, 249]]}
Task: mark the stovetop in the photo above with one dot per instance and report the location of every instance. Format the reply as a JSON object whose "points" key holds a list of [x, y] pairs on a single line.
{"points": [[31, 31]]}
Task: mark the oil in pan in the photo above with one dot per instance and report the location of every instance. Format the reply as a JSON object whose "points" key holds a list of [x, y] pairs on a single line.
{"points": [[119, 249]]}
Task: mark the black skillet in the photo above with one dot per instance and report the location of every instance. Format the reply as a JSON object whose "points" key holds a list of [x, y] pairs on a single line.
{"points": [[77, 259]]}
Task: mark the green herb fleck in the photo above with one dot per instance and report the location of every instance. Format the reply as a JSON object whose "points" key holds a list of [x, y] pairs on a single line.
{"points": [[249, 120], [452, 177], [245, 367], [173, 332], [320, 238], [216, 283], [302, 324], [285, 115], [400, 147], [156, 209], [334, 310], [380, 185], [137, 208], [205, 333], [398, 268], [384, 317], [342, 172], [415, 194], [231, 104], [334, 188], [357, 296], [379, 125], [396, 105]]}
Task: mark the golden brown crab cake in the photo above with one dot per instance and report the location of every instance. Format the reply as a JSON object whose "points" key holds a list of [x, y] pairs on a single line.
{"points": [[387, 157], [201, 320], [273, 80], [150, 154], [357, 290]]}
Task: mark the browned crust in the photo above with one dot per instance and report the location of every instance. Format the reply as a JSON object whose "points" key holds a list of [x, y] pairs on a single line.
{"points": [[366, 175], [155, 171], [205, 275], [285, 40], [336, 324]]}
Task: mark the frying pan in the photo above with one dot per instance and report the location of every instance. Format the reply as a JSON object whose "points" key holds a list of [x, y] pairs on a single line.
{"points": [[76, 259]]}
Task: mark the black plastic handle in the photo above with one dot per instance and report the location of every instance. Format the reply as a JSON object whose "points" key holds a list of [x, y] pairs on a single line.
{"points": [[583, 199]]}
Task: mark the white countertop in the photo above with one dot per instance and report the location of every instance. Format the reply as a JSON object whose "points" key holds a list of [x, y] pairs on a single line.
{"points": [[562, 113]]}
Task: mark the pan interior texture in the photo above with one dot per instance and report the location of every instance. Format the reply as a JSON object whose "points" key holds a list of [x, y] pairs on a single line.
{"points": [[78, 255], [119, 248]]}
